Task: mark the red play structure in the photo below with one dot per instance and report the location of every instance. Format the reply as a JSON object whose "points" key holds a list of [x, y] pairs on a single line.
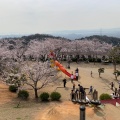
{"points": [[62, 68]]}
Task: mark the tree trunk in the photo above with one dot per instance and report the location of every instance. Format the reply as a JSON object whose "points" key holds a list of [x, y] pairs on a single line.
{"points": [[94, 59], [36, 94], [114, 64], [99, 74], [116, 77]]}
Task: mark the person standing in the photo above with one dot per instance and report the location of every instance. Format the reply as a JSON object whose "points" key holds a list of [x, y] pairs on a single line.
{"points": [[119, 92], [64, 82], [72, 95], [79, 87], [72, 77], [91, 73], [76, 74], [116, 91], [73, 86], [119, 84], [76, 94], [68, 64], [112, 85], [77, 70]]}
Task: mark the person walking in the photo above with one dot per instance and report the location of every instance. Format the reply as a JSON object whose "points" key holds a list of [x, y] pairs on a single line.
{"points": [[64, 82]]}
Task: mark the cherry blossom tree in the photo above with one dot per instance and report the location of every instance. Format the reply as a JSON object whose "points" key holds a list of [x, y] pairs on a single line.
{"points": [[100, 70], [39, 49], [117, 74], [41, 73], [4, 57], [87, 47], [114, 54]]}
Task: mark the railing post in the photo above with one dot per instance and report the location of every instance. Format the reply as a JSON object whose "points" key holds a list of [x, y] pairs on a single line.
{"points": [[82, 112]]}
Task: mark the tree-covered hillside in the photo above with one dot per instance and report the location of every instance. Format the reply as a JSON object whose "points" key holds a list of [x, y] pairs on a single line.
{"points": [[110, 40], [41, 37]]}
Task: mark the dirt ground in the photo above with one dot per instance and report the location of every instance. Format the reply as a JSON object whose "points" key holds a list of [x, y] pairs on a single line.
{"points": [[5, 95], [65, 109]]}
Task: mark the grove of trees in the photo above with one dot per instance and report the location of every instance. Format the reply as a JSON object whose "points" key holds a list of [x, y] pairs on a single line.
{"points": [[24, 62]]}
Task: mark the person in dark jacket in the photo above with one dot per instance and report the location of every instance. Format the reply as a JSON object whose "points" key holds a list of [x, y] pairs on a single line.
{"points": [[64, 82]]}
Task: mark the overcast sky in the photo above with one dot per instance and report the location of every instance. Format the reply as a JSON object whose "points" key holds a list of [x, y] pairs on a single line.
{"points": [[38, 16]]}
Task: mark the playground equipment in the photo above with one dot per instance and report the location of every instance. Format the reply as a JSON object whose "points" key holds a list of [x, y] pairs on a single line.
{"points": [[80, 98], [95, 100], [52, 63], [57, 64], [83, 99], [60, 66]]}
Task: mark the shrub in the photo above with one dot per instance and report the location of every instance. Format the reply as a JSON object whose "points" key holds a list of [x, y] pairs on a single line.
{"points": [[74, 59], [90, 59], [101, 70], [64, 59], [55, 96], [23, 94], [98, 60], [94, 59], [44, 96], [12, 88], [105, 96]]}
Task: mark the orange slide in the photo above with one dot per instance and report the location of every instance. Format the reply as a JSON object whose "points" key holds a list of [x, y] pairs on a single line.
{"points": [[62, 68]]}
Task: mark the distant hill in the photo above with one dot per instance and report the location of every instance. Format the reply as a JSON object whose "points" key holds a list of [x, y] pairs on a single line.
{"points": [[40, 37], [10, 36], [27, 39], [110, 40], [72, 34], [75, 34]]}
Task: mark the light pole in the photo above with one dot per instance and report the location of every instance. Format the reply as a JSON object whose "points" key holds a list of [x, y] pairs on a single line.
{"points": [[82, 112]]}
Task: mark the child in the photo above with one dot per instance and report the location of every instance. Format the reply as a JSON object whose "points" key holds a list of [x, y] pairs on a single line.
{"points": [[72, 77], [91, 89]]}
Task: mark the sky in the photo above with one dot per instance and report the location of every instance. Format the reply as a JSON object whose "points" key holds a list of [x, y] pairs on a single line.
{"points": [[43, 16]]}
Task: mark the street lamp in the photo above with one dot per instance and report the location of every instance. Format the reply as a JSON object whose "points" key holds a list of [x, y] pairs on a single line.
{"points": [[82, 112]]}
